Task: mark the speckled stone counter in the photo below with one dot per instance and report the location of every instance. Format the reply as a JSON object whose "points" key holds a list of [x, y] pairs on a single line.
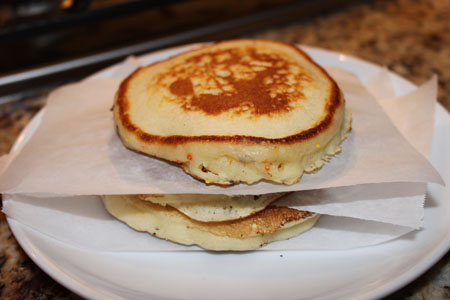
{"points": [[410, 37]]}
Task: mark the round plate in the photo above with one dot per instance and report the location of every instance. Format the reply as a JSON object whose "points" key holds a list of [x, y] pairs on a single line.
{"points": [[363, 273]]}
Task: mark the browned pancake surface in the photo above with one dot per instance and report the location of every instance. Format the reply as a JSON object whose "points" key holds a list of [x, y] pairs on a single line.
{"points": [[267, 93]]}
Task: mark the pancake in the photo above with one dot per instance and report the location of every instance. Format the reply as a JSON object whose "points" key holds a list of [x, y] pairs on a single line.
{"points": [[268, 225], [234, 111], [213, 208]]}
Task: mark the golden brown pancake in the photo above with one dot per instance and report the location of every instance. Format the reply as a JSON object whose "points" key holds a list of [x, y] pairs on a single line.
{"points": [[234, 111], [271, 224]]}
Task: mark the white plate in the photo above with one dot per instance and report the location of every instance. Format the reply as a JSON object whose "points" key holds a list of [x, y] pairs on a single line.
{"points": [[364, 273]]}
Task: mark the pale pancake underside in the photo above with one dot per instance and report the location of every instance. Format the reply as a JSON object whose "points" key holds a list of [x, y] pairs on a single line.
{"points": [[213, 208], [271, 224]]}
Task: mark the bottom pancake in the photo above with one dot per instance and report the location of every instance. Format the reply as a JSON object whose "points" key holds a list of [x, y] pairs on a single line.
{"points": [[271, 224]]}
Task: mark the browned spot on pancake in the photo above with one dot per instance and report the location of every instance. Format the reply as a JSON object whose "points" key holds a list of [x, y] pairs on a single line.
{"points": [[266, 90], [266, 221], [249, 95], [182, 87]]}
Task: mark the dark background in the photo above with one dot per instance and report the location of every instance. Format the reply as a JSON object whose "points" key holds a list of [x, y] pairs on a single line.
{"points": [[46, 33]]}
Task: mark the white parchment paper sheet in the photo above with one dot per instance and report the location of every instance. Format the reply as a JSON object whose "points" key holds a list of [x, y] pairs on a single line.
{"points": [[76, 151], [83, 221]]}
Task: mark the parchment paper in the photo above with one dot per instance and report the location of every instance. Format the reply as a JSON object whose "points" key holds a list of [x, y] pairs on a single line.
{"points": [[76, 151], [82, 221], [360, 215]]}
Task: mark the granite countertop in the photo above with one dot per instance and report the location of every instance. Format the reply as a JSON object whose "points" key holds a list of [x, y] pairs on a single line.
{"points": [[410, 37]]}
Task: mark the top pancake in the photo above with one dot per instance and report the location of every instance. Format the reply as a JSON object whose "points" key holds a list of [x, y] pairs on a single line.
{"points": [[240, 92]]}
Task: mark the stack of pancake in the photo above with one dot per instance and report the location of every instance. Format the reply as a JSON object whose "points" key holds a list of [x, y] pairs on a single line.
{"points": [[234, 112]]}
